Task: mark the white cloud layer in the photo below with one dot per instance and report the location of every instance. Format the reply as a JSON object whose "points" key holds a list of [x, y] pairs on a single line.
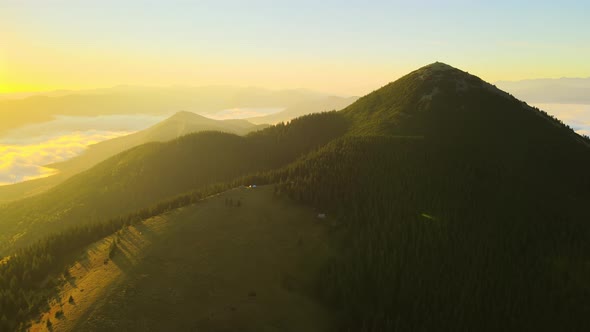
{"points": [[21, 162], [24, 152], [576, 116]]}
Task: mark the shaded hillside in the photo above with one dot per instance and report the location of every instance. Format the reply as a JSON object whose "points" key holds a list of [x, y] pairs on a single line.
{"points": [[468, 211], [151, 172], [325, 104], [181, 123]]}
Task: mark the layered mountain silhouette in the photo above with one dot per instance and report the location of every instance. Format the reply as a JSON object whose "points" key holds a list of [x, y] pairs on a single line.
{"points": [[454, 205], [145, 100], [179, 124], [559, 91]]}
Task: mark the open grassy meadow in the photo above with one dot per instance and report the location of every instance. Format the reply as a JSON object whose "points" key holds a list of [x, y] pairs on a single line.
{"points": [[244, 260]]}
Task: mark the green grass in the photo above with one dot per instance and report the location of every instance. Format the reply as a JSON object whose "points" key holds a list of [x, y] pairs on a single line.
{"points": [[217, 267]]}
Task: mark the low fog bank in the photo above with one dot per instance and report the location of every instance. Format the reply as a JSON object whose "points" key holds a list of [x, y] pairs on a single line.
{"points": [[576, 116], [26, 150]]}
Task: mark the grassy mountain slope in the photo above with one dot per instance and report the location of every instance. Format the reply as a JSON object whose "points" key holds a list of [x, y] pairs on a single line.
{"points": [[180, 124], [250, 269], [152, 172]]}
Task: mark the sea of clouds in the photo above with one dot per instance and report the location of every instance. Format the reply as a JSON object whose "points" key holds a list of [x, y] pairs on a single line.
{"points": [[576, 116], [27, 150]]}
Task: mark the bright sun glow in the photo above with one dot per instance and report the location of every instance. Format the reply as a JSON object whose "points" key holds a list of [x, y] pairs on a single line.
{"points": [[323, 47]]}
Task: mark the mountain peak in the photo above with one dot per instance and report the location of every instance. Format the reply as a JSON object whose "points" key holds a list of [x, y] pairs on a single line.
{"points": [[439, 70], [438, 66], [185, 115], [430, 87], [441, 101]]}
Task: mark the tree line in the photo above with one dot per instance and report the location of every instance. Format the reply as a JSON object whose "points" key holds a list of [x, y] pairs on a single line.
{"points": [[451, 238]]}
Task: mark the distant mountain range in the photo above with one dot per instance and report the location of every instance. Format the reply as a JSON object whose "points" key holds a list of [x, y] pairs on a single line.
{"points": [[144, 100], [559, 90], [326, 104]]}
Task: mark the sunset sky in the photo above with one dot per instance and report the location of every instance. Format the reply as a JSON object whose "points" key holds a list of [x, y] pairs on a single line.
{"points": [[344, 47]]}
